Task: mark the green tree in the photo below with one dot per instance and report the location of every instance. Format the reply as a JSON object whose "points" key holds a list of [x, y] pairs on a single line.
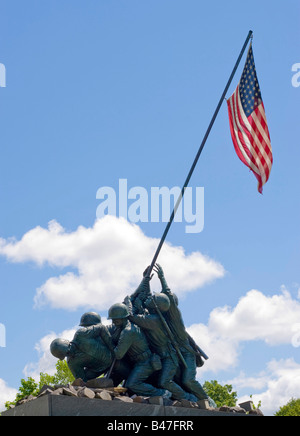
{"points": [[292, 408], [28, 387], [63, 376], [222, 395]]}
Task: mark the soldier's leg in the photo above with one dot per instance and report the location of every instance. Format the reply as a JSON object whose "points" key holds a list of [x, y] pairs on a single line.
{"points": [[189, 374], [120, 372], [90, 374], [166, 381], [76, 366], [136, 381]]}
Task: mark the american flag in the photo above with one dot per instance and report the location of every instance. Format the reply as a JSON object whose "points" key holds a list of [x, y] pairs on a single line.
{"points": [[248, 124]]}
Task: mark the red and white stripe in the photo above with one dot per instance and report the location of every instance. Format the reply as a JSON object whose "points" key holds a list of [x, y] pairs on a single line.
{"points": [[251, 138]]}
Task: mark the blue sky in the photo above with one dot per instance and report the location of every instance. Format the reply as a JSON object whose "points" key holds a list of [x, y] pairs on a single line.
{"points": [[99, 91]]}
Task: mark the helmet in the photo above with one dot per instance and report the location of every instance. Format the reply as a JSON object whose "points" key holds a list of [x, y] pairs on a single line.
{"points": [[162, 301], [59, 348], [90, 318], [118, 311]]}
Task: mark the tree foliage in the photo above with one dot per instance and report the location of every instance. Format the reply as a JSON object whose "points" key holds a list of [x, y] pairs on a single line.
{"points": [[222, 395], [28, 387], [292, 408], [63, 376]]}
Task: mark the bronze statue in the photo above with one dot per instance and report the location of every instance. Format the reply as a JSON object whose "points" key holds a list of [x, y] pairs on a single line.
{"points": [[90, 353], [161, 345], [147, 346], [133, 344], [190, 351]]}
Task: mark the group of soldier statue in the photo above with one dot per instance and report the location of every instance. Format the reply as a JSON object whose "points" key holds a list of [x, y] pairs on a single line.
{"points": [[147, 346]]}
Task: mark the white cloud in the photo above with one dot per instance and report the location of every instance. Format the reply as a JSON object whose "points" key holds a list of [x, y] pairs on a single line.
{"points": [[6, 394], [258, 317], [272, 319], [222, 352], [109, 257], [278, 384]]}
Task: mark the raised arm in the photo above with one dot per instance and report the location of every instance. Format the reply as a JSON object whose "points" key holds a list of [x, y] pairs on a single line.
{"points": [[158, 269]]}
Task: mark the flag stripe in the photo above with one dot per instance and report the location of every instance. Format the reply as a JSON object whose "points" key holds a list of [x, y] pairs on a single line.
{"points": [[234, 133], [239, 147], [248, 124], [264, 141], [262, 128], [260, 155], [241, 138], [252, 147]]}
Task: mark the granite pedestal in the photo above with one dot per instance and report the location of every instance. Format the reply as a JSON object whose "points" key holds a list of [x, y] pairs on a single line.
{"points": [[56, 405]]}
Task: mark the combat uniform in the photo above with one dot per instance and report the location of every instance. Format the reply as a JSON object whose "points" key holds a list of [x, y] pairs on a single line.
{"points": [[160, 344], [133, 344], [90, 352], [176, 324]]}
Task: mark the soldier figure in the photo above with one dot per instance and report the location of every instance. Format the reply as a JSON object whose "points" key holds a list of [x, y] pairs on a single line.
{"points": [[159, 342], [143, 343], [133, 345], [187, 345], [89, 354]]}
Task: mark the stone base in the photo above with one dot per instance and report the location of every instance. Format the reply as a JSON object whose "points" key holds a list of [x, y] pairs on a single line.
{"points": [[59, 405]]}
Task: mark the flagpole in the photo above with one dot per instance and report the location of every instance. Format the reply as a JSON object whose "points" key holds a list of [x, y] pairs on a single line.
{"points": [[250, 35]]}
